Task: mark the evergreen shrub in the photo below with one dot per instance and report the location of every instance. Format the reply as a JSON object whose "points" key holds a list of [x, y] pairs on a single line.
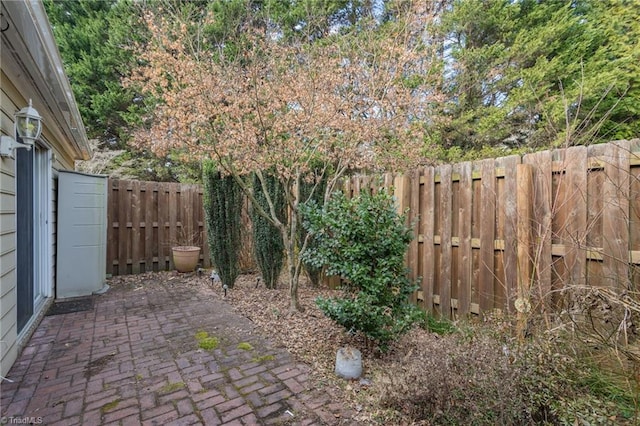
{"points": [[223, 209], [363, 240], [267, 239]]}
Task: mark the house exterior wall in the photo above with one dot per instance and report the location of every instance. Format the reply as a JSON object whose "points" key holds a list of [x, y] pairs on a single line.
{"points": [[9, 343], [31, 68], [8, 316]]}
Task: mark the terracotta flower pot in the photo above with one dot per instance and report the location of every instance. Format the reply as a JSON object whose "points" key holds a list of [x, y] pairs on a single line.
{"points": [[186, 258]]}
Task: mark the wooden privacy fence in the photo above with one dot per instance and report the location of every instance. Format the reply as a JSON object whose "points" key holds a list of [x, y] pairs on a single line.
{"points": [[488, 232], [146, 219], [493, 231]]}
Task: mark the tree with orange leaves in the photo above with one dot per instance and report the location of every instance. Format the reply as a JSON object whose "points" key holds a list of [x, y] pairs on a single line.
{"points": [[349, 102]]}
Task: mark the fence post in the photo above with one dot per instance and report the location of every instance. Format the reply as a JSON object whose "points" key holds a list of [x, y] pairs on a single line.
{"points": [[524, 208]]}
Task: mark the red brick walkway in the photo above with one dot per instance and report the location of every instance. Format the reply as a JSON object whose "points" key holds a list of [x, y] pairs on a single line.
{"points": [[134, 359]]}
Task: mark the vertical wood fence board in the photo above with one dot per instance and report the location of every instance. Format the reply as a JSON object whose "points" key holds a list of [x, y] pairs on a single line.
{"points": [[368, 183], [402, 193], [569, 208], [163, 223], [414, 221], [445, 240], [454, 260], [173, 220], [185, 231], [419, 226], [124, 236], [112, 234], [542, 218], [634, 208], [437, 252], [616, 214], [187, 210], [624, 219], [575, 235], [499, 283], [348, 190], [135, 227], [150, 219], [524, 210], [199, 209], [558, 226], [356, 188], [464, 226], [374, 184], [149, 225], [476, 209], [427, 207], [174, 209], [595, 212], [388, 180], [634, 211], [510, 254], [487, 235]]}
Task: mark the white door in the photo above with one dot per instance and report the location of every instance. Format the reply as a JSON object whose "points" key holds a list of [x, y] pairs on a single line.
{"points": [[82, 234]]}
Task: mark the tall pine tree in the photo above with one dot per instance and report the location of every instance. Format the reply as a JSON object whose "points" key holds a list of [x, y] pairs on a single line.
{"points": [[538, 74], [95, 40]]}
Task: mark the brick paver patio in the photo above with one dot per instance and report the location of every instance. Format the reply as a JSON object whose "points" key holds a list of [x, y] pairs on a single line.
{"points": [[134, 359]]}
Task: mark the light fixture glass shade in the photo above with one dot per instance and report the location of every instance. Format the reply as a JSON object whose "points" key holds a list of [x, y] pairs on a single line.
{"points": [[28, 124]]}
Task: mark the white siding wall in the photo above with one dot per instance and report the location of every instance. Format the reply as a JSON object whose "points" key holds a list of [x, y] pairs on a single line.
{"points": [[8, 344]]}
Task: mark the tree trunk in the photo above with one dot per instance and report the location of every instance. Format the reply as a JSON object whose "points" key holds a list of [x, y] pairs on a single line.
{"points": [[290, 244], [293, 290], [293, 274]]}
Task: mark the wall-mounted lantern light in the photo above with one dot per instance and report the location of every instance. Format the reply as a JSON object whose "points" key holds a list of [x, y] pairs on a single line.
{"points": [[28, 127]]}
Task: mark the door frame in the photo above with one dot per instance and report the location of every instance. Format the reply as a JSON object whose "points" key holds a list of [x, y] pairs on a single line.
{"points": [[42, 232]]}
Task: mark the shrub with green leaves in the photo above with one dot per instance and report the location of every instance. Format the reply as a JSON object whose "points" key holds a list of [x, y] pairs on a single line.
{"points": [[267, 239], [363, 240], [223, 209]]}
